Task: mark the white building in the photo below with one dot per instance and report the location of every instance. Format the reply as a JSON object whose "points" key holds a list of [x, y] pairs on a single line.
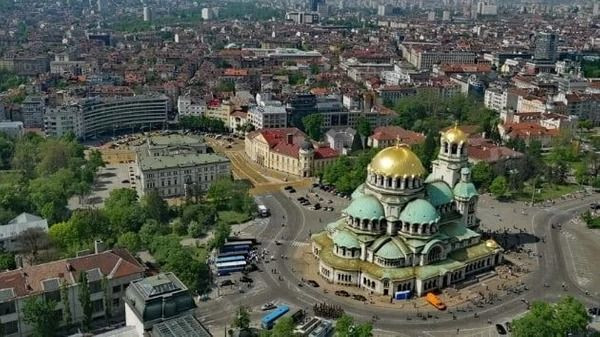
{"points": [[190, 106], [340, 140], [12, 129], [108, 273], [61, 120], [267, 114], [302, 17], [172, 164], [496, 99], [9, 233]]}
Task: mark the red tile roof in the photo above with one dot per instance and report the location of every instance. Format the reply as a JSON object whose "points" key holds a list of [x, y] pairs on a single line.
{"points": [[485, 150], [278, 142], [325, 152], [528, 130], [391, 133], [28, 280]]}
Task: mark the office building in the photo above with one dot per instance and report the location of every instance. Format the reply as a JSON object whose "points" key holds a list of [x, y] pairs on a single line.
{"points": [[157, 299], [302, 17], [108, 273], [267, 113], [191, 106], [405, 232], [173, 164], [61, 120], [32, 110], [546, 45], [147, 14]]}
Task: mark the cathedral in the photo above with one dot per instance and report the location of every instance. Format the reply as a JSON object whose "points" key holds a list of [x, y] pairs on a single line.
{"points": [[405, 230]]}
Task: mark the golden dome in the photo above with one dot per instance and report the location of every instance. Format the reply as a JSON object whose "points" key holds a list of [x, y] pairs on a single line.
{"points": [[454, 135], [491, 244], [397, 161]]}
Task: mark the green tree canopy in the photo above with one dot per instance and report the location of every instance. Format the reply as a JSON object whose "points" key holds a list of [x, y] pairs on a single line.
{"points": [[568, 316], [499, 187], [345, 327], [123, 210], [241, 319], [482, 174], [313, 124], [42, 316], [155, 207]]}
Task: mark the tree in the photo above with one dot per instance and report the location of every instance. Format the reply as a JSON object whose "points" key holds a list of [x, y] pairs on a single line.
{"points": [[64, 296], [363, 127], [221, 234], [85, 301], [499, 187], [241, 320], [482, 174], [312, 125], [7, 261], [130, 241], [32, 241], [124, 211], [151, 229], [284, 327], [345, 327], [566, 317], [178, 227], [41, 314], [155, 207], [195, 229]]}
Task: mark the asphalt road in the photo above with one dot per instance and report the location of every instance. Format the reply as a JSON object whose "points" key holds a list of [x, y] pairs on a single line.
{"points": [[545, 283]]}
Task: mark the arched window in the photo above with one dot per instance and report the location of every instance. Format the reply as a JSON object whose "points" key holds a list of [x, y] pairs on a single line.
{"points": [[434, 254], [445, 147], [454, 148]]}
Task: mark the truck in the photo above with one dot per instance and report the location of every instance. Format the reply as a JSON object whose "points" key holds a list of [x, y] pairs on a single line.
{"points": [[263, 211], [434, 300]]}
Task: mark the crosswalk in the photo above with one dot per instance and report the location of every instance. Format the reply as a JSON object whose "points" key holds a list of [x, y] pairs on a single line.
{"points": [[298, 244]]}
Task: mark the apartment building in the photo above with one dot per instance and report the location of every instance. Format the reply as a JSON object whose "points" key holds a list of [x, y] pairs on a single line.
{"points": [[496, 99], [267, 113], [172, 164], [190, 106], [32, 110], [91, 117], [424, 56], [108, 273]]}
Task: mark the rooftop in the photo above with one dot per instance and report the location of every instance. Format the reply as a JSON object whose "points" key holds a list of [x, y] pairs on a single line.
{"points": [[179, 160]]}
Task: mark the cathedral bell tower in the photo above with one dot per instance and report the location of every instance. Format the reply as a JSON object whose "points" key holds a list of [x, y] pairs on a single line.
{"points": [[452, 157]]}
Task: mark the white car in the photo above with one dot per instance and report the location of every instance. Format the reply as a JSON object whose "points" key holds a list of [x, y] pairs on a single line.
{"points": [[268, 306]]}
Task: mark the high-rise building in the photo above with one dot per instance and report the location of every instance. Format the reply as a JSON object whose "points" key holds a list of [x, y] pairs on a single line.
{"points": [[314, 4], [546, 46], [147, 14], [99, 5], [596, 9]]}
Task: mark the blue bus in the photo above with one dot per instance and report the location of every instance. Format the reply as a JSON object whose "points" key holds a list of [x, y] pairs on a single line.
{"points": [[242, 249], [237, 243], [227, 254], [229, 270], [269, 319], [231, 258]]}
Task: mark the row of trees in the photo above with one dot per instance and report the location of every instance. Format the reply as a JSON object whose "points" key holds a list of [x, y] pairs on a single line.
{"points": [[202, 123], [39, 175], [345, 326]]}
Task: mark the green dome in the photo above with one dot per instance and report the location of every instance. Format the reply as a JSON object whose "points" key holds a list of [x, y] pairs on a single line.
{"points": [[358, 192], [390, 251], [345, 239], [465, 190], [419, 211], [365, 207], [439, 193]]}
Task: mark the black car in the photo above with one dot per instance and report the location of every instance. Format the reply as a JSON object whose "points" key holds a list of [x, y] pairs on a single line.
{"points": [[501, 330], [292, 190], [313, 283], [246, 279], [227, 283], [288, 187]]}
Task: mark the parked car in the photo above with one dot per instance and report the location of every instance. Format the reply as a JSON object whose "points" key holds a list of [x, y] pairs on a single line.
{"points": [[288, 187], [501, 330], [342, 293], [227, 283], [313, 283], [246, 279], [268, 306]]}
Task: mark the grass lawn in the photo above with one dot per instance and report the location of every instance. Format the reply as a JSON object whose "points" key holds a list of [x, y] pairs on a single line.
{"points": [[545, 192], [233, 217]]}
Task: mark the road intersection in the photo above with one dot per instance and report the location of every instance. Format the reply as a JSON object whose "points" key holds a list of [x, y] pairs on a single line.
{"points": [[291, 224]]}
